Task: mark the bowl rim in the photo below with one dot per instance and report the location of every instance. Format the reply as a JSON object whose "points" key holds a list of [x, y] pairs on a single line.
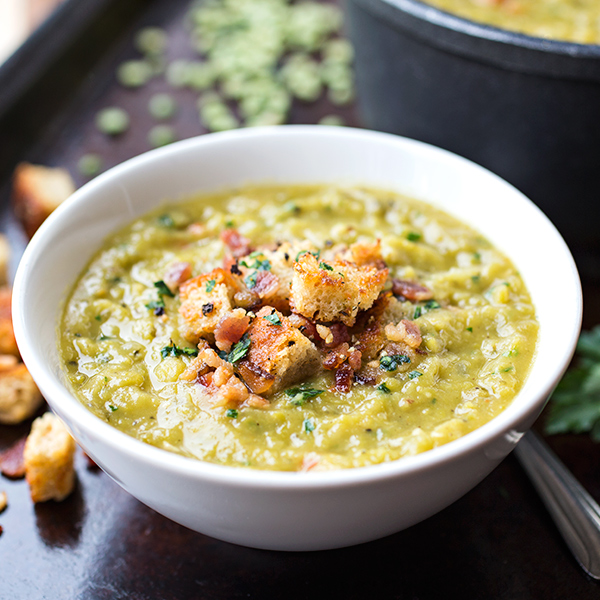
{"points": [[437, 16], [64, 402]]}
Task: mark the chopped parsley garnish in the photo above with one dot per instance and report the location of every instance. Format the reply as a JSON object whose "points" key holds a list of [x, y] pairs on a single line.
{"points": [[384, 388], [506, 369], [98, 318], [575, 404], [325, 266], [309, 426], [413, 236], [239, 350], [112, 407], [477, 256], [291, 206], [173, 350], [158, 306], [429, 305], [476, 278], [232, 413], [470, 329], [261, 265], [251, 280], [393, 361], [166, 221], [299, 395], [414, 374], [163, 289], [229, 224], [210, 285], [273, 318]]}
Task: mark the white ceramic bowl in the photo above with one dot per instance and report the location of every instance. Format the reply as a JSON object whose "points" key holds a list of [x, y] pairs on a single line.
{"points": [[297, 511]]}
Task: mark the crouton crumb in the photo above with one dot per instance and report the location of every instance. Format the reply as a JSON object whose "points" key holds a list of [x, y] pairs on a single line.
{"points": [[49, 459]]}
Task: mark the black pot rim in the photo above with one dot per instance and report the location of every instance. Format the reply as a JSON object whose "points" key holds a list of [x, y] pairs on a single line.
{"points": [[436, 16], [502, 48]]}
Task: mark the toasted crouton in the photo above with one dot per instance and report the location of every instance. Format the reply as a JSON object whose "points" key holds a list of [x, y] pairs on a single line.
{"points": [[205, 300], [37, 191], [363, 253], [8, 344], [4, 258], [49, 459], [19, 396], [278, 356], [334, 292]]}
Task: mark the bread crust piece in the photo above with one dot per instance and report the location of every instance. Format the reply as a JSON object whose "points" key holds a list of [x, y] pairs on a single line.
{"points": [[37, 191], [336, 291], [8, 343], [205, 300], [278, 356], [19, 396], [4, 259], [49, 459]]}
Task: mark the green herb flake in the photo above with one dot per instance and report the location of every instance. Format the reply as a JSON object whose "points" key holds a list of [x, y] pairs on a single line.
{"points": [[239, 350], [299, 395], [251, 279], [309, 426], [412, 236], [470, 329], [418, 312], [477, 256], [112, 407], [156, 305], [432, 305], [393, 361], [210, 285], [325, 266], [506, 369], [476, 278], [292, 207], [173, 350], [163, 289], [384, 388], [273, 318], [229, 224], [316, 254], [98, 317], [166, 221], [232, 413], [415, 374]]}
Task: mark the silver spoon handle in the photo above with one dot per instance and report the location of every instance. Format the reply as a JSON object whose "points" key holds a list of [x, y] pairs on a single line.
{"points": [[575, 512]]}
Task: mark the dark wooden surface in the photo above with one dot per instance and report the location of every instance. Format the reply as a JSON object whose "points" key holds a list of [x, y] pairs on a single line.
{"points": [[495, 542]]}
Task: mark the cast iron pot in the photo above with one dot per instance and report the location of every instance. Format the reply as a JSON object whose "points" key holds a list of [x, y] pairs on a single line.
{"points": [[526, 108]]}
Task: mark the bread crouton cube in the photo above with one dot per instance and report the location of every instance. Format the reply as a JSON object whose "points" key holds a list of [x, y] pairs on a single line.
{"points": [[205, 300], [364, 253], [8, 343], [334, 292], [49, 459], [37, 191], [278, 355], [19, 396], [4, 259]]}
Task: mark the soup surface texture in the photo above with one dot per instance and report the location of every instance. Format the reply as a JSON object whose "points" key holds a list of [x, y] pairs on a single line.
{"points": [[568, 20], [298, 328]]}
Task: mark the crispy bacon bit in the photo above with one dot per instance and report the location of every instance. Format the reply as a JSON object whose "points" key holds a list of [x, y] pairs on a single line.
{"points": [[304, 325], [355, 358], [231, 328], [196, 229], [411, 290], [246, 299], [367, 376], [344, 376], [12, 463], [257, 379], [336, 357], [267, 284], [405, 331], [310, 461], [238, 244], [257, 401], [176, 274]]}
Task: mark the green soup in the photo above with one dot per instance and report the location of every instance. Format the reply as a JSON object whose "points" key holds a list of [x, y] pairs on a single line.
{"points": [[568, 20], [440, 340]]}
